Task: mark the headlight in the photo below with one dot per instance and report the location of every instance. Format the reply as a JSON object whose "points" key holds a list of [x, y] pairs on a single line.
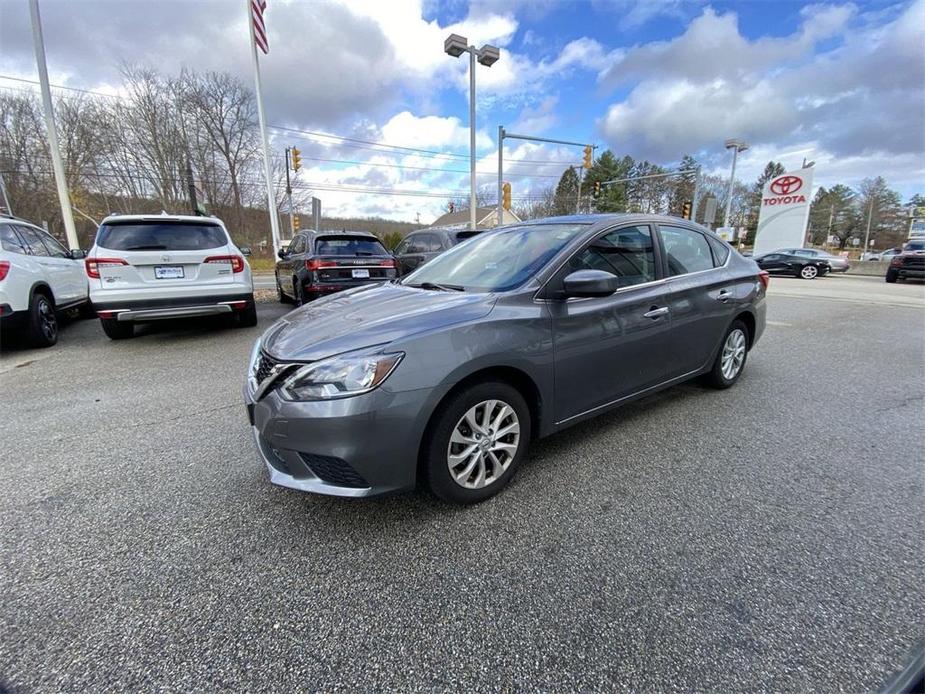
{"points": [[340, 377]]}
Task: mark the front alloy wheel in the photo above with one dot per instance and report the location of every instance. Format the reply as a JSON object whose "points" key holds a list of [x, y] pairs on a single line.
{"points": [[483, 444], [475, 442], [809, 272]]}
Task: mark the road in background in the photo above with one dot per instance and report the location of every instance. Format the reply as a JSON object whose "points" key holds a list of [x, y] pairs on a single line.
{"points": [[857, 289], [768, 536]]}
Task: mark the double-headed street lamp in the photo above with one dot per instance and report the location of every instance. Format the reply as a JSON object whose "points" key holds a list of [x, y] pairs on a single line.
{"points": [[736, 146], [455, 45]]}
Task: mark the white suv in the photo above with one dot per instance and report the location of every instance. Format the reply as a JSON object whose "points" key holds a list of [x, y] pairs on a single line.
{"points": [[150, 267], [38, 278]]}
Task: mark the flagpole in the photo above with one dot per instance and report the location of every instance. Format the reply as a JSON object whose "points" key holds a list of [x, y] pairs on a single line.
{"points": [[271, 199], [57, 166]]}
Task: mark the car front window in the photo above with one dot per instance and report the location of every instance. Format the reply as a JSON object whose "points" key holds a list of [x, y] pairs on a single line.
{"points": [[497, 261]]}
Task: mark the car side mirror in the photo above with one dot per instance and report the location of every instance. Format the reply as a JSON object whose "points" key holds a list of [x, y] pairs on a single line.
{"points": [[590, 283], [245, 250], [77, 254], [282, 253]]}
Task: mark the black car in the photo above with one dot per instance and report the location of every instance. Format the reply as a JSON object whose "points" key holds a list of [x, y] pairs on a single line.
{"points": [[423, 245], [910, 264], [318, 263], [789, 264]]}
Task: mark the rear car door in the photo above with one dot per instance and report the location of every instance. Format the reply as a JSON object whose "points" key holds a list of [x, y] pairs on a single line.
{"points": [[56, 269], [701, 297], [608, 348], [774, 262], [76, 274]]}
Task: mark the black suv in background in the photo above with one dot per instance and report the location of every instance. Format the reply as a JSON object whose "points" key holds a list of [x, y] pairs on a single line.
{"points": [[423, 245], [318, 263], [910, 264]]}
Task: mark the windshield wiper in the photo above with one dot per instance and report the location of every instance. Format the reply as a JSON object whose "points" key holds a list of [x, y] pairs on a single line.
{"points": [[149, 247], [438, 287]]}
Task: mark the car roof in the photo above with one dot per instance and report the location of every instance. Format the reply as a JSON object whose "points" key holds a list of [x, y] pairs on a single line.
{"points": [[599, 222], [163, 217]]}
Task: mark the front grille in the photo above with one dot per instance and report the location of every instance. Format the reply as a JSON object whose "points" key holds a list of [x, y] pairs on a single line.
{"points": [[334, 471], [264, 366], [914, 262]]}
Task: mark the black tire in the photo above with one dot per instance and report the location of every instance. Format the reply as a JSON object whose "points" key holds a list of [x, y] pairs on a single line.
{"points": [[280, 294], [435, 449], [248, 317], [117, 331], [716, 377], [43, 321], [892, 276]]}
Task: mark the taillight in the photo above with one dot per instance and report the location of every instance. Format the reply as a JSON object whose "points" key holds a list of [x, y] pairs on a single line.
{"points": [[765, 278], [236, 261], [315, 264], [4, 269], [93, 265], [387, 263]]}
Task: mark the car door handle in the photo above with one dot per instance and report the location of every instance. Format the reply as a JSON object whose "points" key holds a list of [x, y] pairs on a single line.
{"points": [[724, 295], [655, 312]]}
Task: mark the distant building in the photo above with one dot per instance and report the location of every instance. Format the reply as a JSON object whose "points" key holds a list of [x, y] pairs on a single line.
{"points": [[485, 218]]}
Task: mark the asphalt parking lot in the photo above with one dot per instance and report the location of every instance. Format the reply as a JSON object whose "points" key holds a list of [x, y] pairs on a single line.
{"points": [[766, 537]]}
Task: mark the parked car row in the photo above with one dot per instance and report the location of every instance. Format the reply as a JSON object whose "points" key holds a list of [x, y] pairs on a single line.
{"points": [[141, 268], [317, 263]]}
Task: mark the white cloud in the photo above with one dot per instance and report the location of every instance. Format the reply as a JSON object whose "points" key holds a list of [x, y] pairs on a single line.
{"points": [[407, 130]]}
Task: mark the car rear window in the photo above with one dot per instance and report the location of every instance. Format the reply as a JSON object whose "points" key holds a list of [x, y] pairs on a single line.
{"points": [[349, 245], [161, 236]]}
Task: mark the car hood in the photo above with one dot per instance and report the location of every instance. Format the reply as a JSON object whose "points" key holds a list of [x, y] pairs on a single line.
{"points": [[368, 316]]}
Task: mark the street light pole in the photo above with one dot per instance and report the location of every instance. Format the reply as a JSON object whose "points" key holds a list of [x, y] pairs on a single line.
{"points": [[472, 219], [736, 146], [455, 45], [499, 221], [870, 214]]}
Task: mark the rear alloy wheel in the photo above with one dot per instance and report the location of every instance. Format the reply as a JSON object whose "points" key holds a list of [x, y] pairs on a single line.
{"points": [[117, 331], [477, 441], [809, 272], [731, 358], [43, 323]]}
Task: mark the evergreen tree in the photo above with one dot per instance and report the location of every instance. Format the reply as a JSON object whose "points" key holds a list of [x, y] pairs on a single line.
{"points": [[566, 197]]}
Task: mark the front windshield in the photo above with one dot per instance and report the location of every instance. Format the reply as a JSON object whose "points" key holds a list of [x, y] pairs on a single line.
{"points": [[496, 261]]}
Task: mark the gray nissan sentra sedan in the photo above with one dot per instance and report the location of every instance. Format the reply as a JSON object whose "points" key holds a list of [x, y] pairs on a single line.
{"points": [[447, 375]]}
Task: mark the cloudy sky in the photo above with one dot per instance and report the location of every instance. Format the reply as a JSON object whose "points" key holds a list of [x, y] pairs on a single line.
{"points": [[840, 83]]}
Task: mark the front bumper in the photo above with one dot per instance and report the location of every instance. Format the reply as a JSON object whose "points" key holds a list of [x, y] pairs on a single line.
{"points": [[361, 446]]}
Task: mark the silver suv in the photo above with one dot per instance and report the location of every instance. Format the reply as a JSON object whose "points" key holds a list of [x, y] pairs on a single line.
{"points": [[150, 267]]}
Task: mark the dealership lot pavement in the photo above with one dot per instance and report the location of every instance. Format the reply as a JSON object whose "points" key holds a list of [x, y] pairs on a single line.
{"points": [[766, 537]]}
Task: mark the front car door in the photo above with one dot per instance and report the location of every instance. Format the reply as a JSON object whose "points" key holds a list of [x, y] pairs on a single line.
{"points": [[410, 253], [701, 296], [285, 268], [774, 262], [609, 348]]}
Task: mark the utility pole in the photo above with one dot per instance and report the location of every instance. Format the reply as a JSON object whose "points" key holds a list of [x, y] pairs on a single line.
{"points": [[6, 200], [580, 176], [191, 186], [828, 233], [57, 165], [870, 214]]}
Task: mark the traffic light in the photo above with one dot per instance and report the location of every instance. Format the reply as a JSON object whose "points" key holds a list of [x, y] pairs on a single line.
{"points": [[506, 196], [597, 188], [296, 159], [296, 223], [589, 156], [686, 210]]}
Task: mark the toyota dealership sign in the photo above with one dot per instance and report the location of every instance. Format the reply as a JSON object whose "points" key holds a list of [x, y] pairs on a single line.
{"points": [[784, 211]]}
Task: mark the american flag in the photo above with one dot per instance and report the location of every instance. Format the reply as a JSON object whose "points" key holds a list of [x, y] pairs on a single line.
{"points": [[260, 30]]}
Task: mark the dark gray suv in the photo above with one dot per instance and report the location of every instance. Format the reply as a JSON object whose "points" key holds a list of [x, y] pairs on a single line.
{"points": [[446, 375]]}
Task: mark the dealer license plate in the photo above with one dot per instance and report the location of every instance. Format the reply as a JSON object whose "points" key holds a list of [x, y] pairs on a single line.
{"points": [[168, 272]]}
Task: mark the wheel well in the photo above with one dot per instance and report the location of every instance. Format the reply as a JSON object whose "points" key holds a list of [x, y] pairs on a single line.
{"points": [[506, 374], [40, 288], [749, 321]]}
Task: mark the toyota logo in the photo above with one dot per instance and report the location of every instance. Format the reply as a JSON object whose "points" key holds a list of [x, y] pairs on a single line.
{"points": [[785, 185]]}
